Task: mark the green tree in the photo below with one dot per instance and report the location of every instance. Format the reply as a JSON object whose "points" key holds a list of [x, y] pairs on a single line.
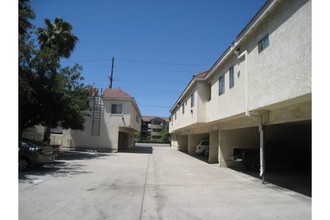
{"points": [[49, 94], [165, 135], [25, 13], [58, 37]]}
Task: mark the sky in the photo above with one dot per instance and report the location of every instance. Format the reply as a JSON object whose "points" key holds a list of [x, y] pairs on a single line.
{"points": [[157, 45]]}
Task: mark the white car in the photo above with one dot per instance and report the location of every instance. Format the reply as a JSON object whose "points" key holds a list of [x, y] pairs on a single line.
{"points": [[203, 147]]}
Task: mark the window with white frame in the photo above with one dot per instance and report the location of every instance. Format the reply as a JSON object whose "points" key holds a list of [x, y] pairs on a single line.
{"points": [[222, 84], [231, 77], [116, 109], [263, 43]]}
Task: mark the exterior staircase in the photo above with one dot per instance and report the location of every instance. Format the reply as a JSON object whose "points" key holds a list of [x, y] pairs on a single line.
{"points": [[97, 112]]}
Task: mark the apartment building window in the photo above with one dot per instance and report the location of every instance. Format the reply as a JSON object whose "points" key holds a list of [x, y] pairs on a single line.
{"points": [[182, 108], [231, 77], [116, 108], [192, 99], [263, 43], [222, 84]]}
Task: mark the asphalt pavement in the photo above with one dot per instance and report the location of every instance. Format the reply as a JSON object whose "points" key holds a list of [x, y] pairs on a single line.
{"points": [[150, 182]]}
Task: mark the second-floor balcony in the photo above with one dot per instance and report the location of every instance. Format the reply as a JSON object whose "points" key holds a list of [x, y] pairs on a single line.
{"points": [[155, 126]]}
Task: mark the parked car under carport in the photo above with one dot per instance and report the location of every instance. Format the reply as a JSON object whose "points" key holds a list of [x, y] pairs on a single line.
{"points": [[279, 155]]}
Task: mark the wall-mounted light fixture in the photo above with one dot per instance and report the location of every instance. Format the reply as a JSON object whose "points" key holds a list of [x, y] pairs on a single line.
{"points": [[237, 51]]}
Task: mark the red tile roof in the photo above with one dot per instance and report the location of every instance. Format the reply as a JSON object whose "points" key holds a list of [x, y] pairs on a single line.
{"points": [[149, 118], [201, 74], [115, 93]]}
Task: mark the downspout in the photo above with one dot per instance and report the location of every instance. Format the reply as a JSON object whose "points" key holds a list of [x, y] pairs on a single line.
{"points": [[262, 158], [247, 113], [245, 53], [262, 145]]}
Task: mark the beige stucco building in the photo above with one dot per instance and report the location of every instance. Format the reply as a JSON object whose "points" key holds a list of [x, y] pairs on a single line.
{"points": [[113, 119], [152, 127], [259, 89]]}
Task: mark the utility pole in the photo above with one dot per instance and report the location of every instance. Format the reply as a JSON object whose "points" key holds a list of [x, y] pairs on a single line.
{"points": [[111, 76]]}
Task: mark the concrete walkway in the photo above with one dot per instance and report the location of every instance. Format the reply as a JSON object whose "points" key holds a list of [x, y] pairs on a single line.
{"points": [[151, 182]]}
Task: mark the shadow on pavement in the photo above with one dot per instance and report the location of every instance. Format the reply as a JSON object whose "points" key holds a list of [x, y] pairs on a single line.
{"points": [[297, 181], [138, 150], [80, 155], [197, 156], [67, 164]]}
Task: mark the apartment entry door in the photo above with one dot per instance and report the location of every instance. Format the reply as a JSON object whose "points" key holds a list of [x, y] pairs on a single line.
{"points": [[122, 141]]}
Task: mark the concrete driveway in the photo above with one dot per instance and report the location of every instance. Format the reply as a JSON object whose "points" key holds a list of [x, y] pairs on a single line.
{"points": [[150, 182]]}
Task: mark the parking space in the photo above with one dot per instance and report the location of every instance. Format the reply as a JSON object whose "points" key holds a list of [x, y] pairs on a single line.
{"points": [[287, 153], [150, 182]]}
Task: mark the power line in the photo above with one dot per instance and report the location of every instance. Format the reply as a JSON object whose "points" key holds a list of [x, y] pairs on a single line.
{"points": [[162, 63], [134, 61], [155, 106]]}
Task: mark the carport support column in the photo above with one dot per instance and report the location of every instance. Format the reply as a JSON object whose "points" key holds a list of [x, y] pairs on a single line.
{"points": [[221, 145], [213, 150], [191, 143], [262, 158]]}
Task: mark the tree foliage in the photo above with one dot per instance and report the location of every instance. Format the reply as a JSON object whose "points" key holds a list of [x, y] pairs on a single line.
{"points": [[165, 135], [49, 94], [25, 13], [58, 37]]}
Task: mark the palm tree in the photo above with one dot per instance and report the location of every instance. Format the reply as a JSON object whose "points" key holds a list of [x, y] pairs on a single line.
{"points": [[25, 13], [58, 40], [58, 37]]}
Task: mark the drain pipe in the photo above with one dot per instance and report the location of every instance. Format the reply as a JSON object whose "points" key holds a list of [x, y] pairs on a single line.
{"points": [[247, 113], [245, 53], [262, 146], [262, 157]]}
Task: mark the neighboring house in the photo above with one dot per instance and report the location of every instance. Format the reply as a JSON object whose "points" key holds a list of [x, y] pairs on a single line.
{"points": [[152, 127], [259, 90], [113, 119]]}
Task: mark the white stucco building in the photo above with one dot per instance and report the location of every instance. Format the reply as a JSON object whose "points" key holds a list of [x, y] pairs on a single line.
{"points": [[258, 90], [113, 119]]}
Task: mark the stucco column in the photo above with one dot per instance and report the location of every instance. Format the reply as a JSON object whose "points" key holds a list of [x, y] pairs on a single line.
{"points": [[182, 142], [213, 148], [190, 147], [221, 150]]}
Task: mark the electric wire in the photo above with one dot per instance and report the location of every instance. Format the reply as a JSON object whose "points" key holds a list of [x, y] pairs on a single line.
{"points": [[133, 61]]}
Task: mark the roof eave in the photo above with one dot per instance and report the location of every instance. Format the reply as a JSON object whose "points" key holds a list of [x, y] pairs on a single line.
{"points": [[188, 87], [242, 35]]}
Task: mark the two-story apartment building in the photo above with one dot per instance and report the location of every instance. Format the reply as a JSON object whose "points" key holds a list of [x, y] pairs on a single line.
{"points": [[112, 120], [259, 90]]}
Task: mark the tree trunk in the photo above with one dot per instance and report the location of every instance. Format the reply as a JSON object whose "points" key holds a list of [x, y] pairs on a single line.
{"points": [[47, 135]]}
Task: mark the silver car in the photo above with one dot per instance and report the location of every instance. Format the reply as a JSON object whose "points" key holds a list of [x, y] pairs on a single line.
{"points": [[203, 147], [34, 153]]}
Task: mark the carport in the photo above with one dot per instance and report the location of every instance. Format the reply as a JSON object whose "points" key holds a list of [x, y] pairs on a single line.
{"points": [[293, 140], [287, 153], [234, 141], [182, 142], [194, 139]]}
